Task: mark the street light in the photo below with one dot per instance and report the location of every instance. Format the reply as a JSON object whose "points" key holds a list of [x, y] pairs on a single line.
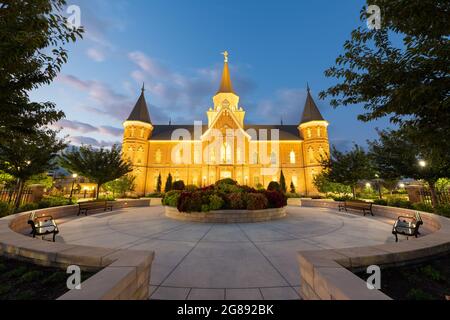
{"points": [[422, 163], [74, 176]]}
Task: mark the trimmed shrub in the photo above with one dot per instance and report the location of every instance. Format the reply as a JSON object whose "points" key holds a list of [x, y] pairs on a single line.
{"points": [[28, 207], [53, 201], [399, 203], [343, 198], [191, 187], [380, 202], [215, 202], [155, 195], [423, 207], [171, 198], [228, 181], [276, 199], [205, 208], [444, 210], [274, 186], [5, 209], [190, 202], [236, 201], [178, 185], [256, 201]]}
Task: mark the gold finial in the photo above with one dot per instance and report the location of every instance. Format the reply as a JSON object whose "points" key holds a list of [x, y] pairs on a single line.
{"points": [[225, 54]]}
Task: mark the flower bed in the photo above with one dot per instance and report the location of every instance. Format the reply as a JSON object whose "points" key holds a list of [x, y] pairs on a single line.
{"points": [[224, 195]]}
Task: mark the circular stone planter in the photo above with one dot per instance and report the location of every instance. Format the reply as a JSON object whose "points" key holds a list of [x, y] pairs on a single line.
{"points": [[227, 216]]}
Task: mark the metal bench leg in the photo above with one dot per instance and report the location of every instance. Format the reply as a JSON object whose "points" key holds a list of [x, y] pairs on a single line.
{"points": [[54, 237], [396, 237]]}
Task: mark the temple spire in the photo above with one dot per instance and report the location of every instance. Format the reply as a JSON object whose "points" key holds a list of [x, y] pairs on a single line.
{"points": [[140, 110], [225, 84], [311, 111]]}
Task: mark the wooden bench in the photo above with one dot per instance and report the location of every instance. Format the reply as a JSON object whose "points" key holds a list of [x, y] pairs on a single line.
{"points": [[42, 226], [407, 226], [365, 207], [84, 207]]}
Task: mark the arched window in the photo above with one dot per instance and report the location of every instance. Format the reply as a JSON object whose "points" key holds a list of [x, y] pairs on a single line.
{"points": [[319, 132], [178, 156], [238, 155], [309, 133], [132, 131], [226, 153], [273, 158], [158, 156], [255, 158], [292, 157], [321, 152], [311, 155], [142, 132]]}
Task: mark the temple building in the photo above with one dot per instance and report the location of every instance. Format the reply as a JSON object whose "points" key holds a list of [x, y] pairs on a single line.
{"points": [[225, 147]]}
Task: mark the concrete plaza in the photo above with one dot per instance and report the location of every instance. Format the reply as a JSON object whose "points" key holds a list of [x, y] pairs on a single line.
{"points": [[225, 261]]}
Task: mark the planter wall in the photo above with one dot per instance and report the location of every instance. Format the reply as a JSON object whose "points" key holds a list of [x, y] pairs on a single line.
{"points": [[227, 216], [124, 274], [324, 274]]}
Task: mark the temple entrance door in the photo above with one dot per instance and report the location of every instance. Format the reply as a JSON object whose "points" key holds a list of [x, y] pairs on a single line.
{"points": [[225, 174]]}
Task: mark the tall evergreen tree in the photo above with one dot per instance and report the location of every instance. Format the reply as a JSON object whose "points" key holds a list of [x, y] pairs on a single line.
{"points": [[159, 184], [292, 187], [168, 186], [282, 182]]}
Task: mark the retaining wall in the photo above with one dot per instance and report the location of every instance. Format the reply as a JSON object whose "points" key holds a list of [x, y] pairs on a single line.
{"points": [[324, 274], [123, 274]]}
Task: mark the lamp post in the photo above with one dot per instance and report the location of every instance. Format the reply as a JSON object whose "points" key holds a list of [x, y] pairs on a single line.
{"points": [[378, 182], [422, 163], [74, 176]]}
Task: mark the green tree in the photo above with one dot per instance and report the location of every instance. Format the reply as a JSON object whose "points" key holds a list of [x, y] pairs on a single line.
{"points": [[407, 80], [121, 185], [42, 179], [398, 153], [323, 185], [98, 165], [6, 179], [168, 186], [26, 155], [348, 168], [159, 184], [401, 71], [292, 188], [282, 182], [32, 36]]}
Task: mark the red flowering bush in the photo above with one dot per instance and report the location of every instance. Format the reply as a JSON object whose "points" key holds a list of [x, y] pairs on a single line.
{"points": [[276, 199], [256, 201]]}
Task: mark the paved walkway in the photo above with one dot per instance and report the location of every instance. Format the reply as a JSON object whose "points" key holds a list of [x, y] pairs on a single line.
{"points": [[217, 261]]}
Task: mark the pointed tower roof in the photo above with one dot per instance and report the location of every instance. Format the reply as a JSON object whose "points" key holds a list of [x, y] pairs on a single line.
{"points": [[140, 110], [226, 85], [310, 112]]}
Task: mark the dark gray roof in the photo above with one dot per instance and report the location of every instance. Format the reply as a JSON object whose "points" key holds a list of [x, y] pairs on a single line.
{"points": [[286, 132], [310, 112], [140, 110]]}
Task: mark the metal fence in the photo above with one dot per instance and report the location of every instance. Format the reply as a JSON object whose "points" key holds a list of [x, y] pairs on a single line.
{"points": [[10, 196], [443, 196]]}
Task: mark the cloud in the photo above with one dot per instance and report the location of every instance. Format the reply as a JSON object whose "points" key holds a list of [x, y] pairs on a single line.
{"points": [[82, 140], [83, 127], [103, 99], [182, 97], [287, 104], [96, 54]]}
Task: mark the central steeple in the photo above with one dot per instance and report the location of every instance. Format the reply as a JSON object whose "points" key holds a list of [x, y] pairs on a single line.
{"points": [[225, 85], [225, 97]]}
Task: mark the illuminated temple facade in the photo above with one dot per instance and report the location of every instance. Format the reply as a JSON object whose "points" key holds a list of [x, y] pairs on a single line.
{"points": [[253, 155]]}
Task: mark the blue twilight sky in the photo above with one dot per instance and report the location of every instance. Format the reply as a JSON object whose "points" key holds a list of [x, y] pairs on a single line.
{"points": [[275, 47]]}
